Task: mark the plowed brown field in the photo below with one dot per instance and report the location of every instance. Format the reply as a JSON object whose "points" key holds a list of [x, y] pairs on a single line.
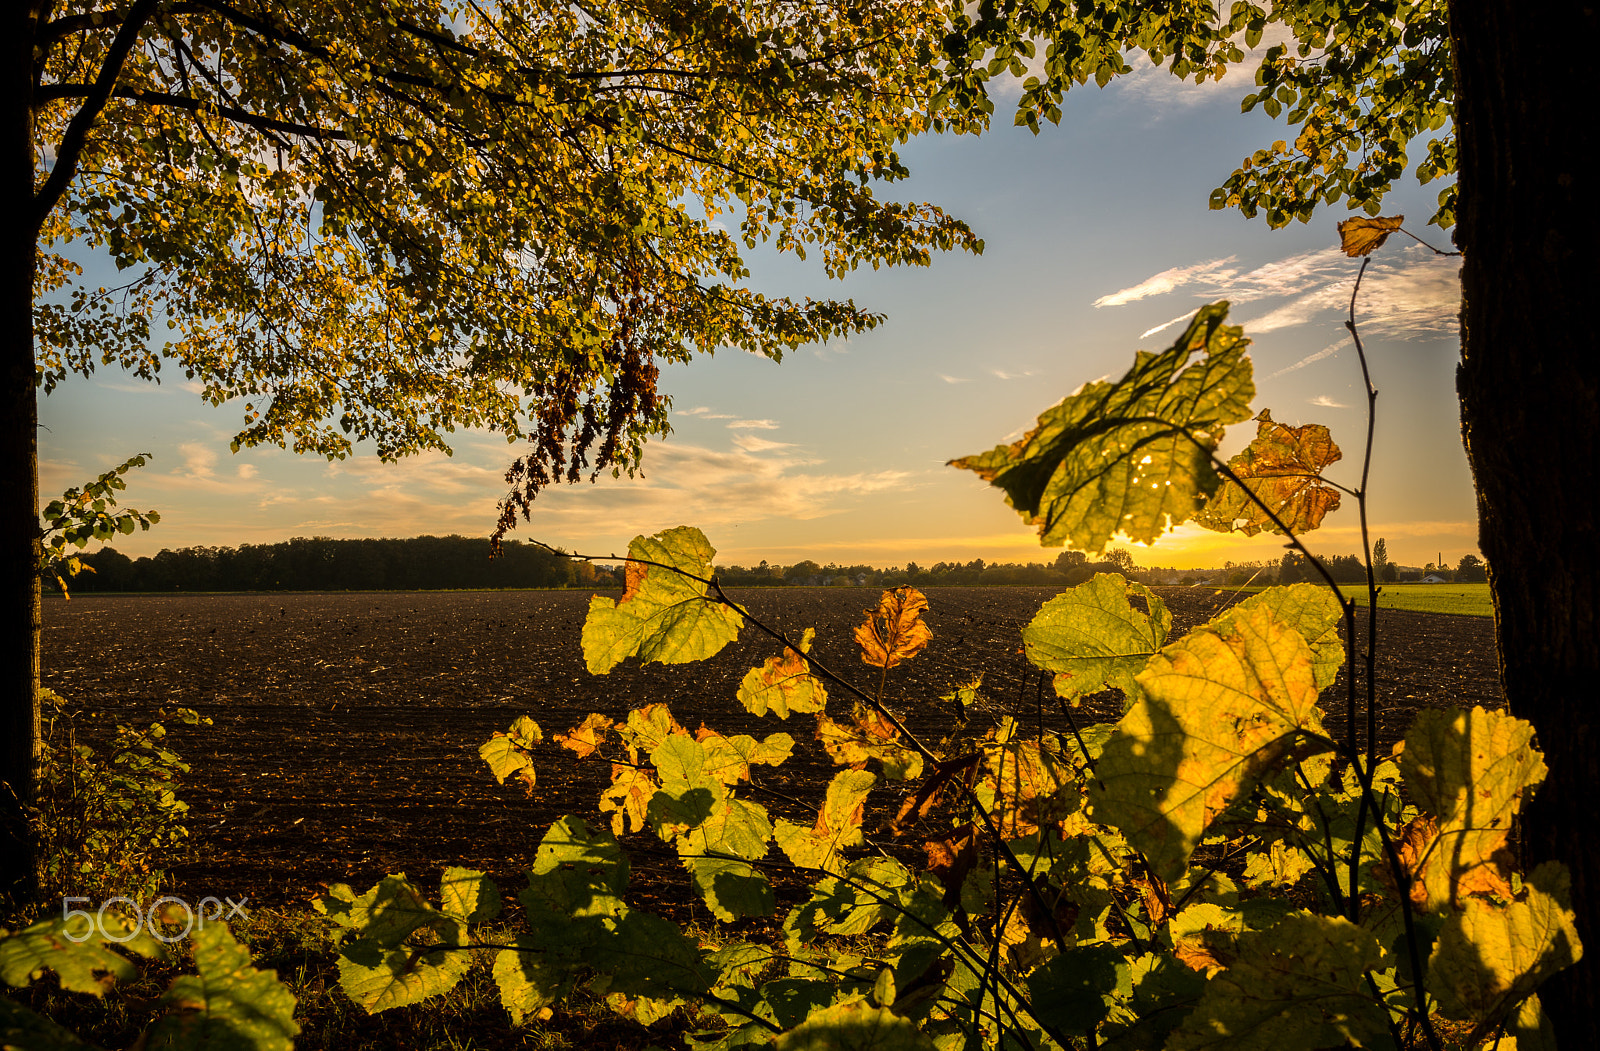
{"points": [[346, 726]]}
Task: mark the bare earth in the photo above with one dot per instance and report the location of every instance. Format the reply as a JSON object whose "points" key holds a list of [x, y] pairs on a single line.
{"points": [[347, 725]]}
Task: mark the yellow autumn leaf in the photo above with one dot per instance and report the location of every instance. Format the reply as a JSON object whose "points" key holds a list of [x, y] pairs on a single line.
{"points": [[628, 798], [1363, 236], [870, 736], [1032, 785], [895, 631], [1490, 957], [1468, 772], [784, 684], [838, 823], [1221, 707], [666, 612], [1282, 467]]}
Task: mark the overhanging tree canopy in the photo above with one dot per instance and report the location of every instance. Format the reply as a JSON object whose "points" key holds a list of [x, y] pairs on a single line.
{"points": [[386, 219]]}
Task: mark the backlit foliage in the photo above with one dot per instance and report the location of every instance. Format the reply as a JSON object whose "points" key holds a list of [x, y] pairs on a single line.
{"points": [[385, 220], [1222, 867]]}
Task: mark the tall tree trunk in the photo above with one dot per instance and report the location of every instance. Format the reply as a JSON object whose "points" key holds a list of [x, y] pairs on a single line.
{"points": [[1530, 413], [19, 466]]}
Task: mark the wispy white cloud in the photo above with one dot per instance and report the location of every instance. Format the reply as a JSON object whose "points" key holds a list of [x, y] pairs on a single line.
{"points": [[199, 461], [686, 483], [756, 425], [1209, 272], [954, 379], [705, 413], [751, 444], [1147, 333], [1330, 349], [1327, 402], [1412, 294], [1154, 88], [1005, 375]]}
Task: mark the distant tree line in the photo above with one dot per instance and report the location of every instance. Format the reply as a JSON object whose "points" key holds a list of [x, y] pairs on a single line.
{"points": [[441, 562], [1069, 568], [323, 564]]}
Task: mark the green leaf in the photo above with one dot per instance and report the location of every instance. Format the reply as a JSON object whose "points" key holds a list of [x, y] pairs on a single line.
{"points": [[227, 1004], [387, 914], [855, 1027], [1490, 957], [528, 979], [391, 961], [576, 874], [649, 956], [1072, 992], [1092, 637], [1301, 983], [22, 1030], [81, 953], [784, 684], [468, 895], [790, 1001], [1132, 456], [1221, 707], [662, 615], [379, 978]]}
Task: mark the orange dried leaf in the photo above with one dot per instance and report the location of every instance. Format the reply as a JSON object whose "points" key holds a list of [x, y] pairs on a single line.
{"points": [[586, 738], [1283, 468], [1363, 236], [895, 631]]}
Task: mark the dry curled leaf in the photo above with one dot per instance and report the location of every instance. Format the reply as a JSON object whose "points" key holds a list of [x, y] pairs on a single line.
{"points": [[895, 631], [1283, 468], [1363, 236], [587, 737]]}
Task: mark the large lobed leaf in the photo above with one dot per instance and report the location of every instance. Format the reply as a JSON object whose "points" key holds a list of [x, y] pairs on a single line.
{"points": [[1490, 957], [402, 949], [1311, 610], [663, 615], [227, 1004], [86, 962], [1299, 984], [1092, 637], [1282, 470], [838, 824], [1468, 772], [1221, 707], [716, 834], [1132, 456]]}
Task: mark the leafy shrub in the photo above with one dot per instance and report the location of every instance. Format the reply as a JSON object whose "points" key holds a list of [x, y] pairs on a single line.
{"points": [[108, 827]]}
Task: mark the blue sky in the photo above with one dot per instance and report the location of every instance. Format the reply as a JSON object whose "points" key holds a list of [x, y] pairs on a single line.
{"points": [[1097, 233]]}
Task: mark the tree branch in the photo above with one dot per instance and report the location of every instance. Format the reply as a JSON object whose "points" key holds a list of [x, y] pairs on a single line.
{"points": [[77, 134]]}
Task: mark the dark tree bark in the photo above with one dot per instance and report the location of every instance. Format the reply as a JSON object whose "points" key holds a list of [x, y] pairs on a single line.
{"points": [[1530, 413], [19, 467]]}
